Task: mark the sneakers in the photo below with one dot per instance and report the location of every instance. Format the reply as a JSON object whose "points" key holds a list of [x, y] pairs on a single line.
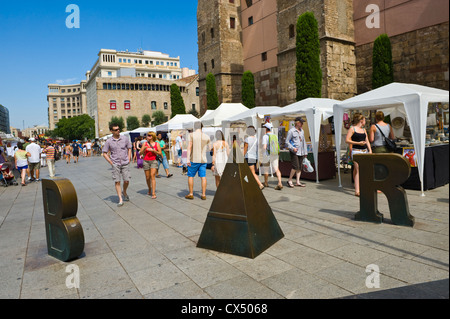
{"points": [[125, 198], [120, 204]]}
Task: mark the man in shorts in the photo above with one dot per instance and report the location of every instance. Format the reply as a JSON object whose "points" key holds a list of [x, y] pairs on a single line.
{"points": [[34, 161], [199, 145], [117, 152]]}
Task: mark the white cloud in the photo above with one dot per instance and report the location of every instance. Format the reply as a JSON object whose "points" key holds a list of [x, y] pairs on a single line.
{"points": [[67, 81]]}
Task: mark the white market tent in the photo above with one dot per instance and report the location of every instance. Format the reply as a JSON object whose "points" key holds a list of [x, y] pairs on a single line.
{"points": [[253, 116], [224, 111], [144, 130], [176, 123], [414, 98], [316, 110], [190, 125]]}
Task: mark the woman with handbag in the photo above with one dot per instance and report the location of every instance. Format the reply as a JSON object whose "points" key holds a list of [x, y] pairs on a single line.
{"points": [[378, 132], [151, 150], [358, 140]]}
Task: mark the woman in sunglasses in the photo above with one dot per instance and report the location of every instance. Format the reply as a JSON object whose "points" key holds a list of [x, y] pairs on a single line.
{"points": [[150, 150]]}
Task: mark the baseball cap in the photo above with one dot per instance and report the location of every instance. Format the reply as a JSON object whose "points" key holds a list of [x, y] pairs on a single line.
{"points": [[269, 126]]}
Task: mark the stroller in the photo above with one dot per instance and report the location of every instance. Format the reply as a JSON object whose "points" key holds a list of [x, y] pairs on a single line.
{"points": [[7, 177]]}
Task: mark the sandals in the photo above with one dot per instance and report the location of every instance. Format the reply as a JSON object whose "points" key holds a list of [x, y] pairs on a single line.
{"points": [[290, 184], [170, 175], [300, 185], [189, 196]]}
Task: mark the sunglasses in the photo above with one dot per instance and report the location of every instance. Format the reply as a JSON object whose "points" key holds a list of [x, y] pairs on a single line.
{"points": [[118, 129]]}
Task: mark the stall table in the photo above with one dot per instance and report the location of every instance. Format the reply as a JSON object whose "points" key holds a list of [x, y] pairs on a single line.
{"points": [[435, 172]]}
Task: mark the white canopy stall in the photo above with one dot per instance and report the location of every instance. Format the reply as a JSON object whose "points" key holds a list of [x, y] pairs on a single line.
{"points": [[176, 123], [253, 116], [316, 110], [224, 111], [414, 98]]}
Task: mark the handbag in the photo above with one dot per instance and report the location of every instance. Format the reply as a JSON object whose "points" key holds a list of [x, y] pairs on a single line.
{"points": [[390, 144], [307, 167]]}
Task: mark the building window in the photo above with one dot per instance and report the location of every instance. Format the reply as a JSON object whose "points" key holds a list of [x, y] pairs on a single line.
{"points": [[250, 20], [153, 105], [232, 23], [264, 56], [193, 107], [249, 3], [113, 105], [166, 105], [291, 31], [205, 67], [212, 33], [127, 105], [212, 63], [197, 91], [231, 1]]}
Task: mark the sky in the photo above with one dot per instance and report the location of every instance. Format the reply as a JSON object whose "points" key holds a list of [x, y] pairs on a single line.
{"points": [[37, 48]]}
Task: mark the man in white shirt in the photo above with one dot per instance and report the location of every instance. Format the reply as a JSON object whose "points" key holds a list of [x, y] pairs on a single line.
{"points": [[34, 161], [88, 148], [179, 148]]}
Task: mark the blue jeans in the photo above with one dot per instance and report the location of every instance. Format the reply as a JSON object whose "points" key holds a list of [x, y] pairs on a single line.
{"points": [[164, 162]]}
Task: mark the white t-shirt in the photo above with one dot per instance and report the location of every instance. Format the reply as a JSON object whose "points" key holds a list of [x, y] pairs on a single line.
{"points": [[35, 152], [88, 145], [178, 142], [252, 150]]}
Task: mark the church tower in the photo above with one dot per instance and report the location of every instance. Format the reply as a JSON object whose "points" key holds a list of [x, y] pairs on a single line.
{"points": [[220, 49]]}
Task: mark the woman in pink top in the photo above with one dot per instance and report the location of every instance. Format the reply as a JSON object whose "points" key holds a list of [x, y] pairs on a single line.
{"points": [[149, 151]]}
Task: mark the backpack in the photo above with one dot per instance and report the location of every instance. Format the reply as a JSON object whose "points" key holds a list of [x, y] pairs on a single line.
{"points": [[273, 147]]}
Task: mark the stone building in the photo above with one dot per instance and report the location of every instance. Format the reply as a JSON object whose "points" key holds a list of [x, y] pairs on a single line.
{"points": [[65, 101], [124, 84], [263, 38], [4, 120]]}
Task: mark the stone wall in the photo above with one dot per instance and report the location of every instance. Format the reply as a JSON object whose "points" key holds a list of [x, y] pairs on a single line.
{"points": [[419, 57], [266, 87]]}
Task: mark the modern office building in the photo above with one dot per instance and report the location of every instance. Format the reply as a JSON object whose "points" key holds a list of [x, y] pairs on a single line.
{"points": [[124, 84], [4, 120], [65, 101], [260, 36]]}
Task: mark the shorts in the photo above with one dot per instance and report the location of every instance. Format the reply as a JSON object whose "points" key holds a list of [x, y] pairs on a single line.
{"points": [[269, 164], [197, 167], [34, 166], [76, 153], [150, 164], [297, 161], [121, 171], [251, 161], [20, 168], [358, 151]]}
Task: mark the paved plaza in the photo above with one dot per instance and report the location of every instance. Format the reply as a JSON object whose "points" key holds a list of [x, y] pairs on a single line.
{"points": [[147, 248]]}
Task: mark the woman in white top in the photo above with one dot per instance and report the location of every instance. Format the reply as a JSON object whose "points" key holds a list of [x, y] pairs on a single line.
{"points": [[251, 152], [221, 149]]}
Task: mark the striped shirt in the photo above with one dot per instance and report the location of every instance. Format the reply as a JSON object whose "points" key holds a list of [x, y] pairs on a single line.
{"points": [[50, 151]]}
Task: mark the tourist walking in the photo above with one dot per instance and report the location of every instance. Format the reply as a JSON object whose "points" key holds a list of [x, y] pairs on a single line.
{"points": [[251, 152], [150, 150], [117, 152], [377, 133], [68, 152], [221, 149], [76, 151], [50, 153], [164, 161], [199, 144], [358, 140], [21, 162], [34, 160], [296, 143], [271, 151], [179, 148]]}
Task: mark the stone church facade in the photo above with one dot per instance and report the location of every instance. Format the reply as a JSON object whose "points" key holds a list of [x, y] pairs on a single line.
{"points": [[259, 35]]}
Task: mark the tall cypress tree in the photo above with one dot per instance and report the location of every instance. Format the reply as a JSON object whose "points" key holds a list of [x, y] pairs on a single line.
{"points": [[176, 100], [212, 100], [248, 89], [383, 68], [308, 77]]}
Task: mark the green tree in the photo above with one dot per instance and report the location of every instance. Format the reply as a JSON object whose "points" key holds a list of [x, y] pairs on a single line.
{"points": [[308, 76], [176, 100], [117, 121], [132, 123], [146, 120], [212, 100], [248, 89], [383, 68], [159, 118], [75, 128]]}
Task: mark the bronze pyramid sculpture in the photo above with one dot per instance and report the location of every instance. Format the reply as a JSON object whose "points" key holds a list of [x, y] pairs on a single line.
{"points": [[240, 221]]}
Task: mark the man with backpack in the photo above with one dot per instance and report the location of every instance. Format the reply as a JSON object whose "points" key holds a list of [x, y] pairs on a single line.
{"points": [[271, 149]]}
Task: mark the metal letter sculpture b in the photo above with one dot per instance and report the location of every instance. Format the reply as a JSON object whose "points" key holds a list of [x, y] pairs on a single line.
{"points": [[240, 221], [65, 238], [383, 172]]}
